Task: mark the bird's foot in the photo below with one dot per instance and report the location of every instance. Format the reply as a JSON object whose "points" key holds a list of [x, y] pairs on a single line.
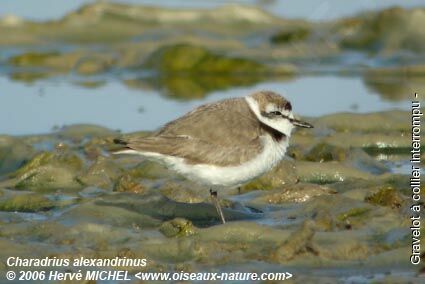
{"points": [[214, 197]]}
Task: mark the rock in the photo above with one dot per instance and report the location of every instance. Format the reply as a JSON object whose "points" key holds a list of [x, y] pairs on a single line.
{"points": [[373, 143], [91, 212], [139, 14], [48, 178], [175, 250], [343, 213], [186, 192], [282, 175], [92, 192], [59, 158], [364, 162], [78, 132], [151, 170], [342, 247], [298, 242], [177, 227], [300, 192], [329, 172], [389, 30], [323, 152], [243, 232], [49, 171], [377, 122], [102, 173], [13, 153]]}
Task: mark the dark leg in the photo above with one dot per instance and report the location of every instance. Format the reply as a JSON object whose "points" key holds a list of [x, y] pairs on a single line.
{"points": [[217, 205]]}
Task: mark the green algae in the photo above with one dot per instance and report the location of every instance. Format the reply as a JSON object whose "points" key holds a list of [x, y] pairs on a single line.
{"points": [[66, 158], [91, 84], [184, 58], [300, 192], [40, 159], [29, 76], [189, 71], [32, 58], [291, 35], [385, 196], [26, 203], [324, 152], [177, 227], [376, 150], [126, 183], [34, 66], [352, 213], [189, 86]]}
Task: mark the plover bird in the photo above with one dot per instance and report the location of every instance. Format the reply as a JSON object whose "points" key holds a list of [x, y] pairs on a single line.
{"points": [[222, 144]]}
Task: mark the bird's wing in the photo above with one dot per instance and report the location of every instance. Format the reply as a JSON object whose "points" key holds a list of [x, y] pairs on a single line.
{"points": [[228, 127]]}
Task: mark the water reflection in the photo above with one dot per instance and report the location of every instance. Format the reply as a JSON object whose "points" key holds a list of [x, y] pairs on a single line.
{"points": [[397, 87], [40, 106]]}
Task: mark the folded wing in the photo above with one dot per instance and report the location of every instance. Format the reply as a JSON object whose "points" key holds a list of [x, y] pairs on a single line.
{"points": [[225, 133]]}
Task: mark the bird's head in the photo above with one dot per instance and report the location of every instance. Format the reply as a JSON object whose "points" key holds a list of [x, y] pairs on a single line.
{"points": [[274, 111]]}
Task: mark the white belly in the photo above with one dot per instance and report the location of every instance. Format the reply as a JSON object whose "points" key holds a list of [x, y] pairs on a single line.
{"points": [[231, 176]]}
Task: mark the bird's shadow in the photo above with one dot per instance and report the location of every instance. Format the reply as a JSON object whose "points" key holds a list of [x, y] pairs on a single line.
{"points": [[160, 207]]}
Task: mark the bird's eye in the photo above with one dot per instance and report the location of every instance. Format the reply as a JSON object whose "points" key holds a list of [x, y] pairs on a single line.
{"points": [[275, 113]]}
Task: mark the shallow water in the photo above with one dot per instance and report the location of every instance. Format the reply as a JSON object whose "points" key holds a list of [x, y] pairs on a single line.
{"points": [[34, 108]]}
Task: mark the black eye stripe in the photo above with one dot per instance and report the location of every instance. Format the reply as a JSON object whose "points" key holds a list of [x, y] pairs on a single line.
{"points": [[288, 106], [276, 113]]}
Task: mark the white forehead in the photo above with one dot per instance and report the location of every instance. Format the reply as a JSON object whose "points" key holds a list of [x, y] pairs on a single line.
{"points": [[271, 107]]}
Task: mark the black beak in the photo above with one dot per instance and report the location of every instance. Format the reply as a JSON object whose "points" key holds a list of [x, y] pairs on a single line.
{"points": [[295, 122], [300, 123]]}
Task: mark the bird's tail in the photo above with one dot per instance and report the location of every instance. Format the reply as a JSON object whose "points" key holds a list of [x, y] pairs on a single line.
{"points": [[124, 148], [120, 141]]}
